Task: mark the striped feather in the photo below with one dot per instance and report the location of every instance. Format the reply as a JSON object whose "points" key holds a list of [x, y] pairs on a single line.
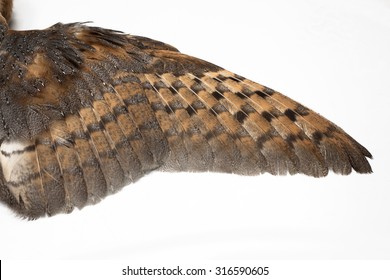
{"points": [[97, 110]]}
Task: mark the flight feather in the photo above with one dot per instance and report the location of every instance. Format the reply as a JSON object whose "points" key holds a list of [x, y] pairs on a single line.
{"points": [[86, 111]]}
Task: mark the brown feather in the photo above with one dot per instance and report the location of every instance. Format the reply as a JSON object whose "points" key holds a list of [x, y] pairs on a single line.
{"points": [[6, 9], [87, 111]]}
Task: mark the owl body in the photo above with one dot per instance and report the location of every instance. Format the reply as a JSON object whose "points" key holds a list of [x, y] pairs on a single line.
{"points": [[86, 111]]}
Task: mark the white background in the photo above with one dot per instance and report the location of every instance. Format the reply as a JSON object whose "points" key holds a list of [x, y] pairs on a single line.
{"points": [[332, 56]]}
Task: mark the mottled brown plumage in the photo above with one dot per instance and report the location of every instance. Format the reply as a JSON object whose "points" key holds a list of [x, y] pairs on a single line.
{"points": [[86, 111]]}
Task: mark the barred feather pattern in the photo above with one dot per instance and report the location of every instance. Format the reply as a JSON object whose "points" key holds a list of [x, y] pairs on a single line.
{"points": [[86, 111]]}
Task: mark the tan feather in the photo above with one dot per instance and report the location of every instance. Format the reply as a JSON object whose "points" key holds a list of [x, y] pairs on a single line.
{"points": [[87, 111]]}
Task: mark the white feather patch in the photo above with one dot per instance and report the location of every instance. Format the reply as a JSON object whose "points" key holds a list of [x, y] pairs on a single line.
{"points": [[13, 159]]}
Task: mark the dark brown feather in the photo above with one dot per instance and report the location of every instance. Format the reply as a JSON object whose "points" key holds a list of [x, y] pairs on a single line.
{"points": [[86, 111]]}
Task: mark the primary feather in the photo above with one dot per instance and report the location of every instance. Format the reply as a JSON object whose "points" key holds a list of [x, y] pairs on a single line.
{"points": [[86, 111]]}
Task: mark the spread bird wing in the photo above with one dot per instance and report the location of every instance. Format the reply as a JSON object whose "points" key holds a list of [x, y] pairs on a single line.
{"points": [[86, 111]]}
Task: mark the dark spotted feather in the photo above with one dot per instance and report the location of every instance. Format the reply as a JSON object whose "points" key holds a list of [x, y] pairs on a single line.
{"points": [[86, 111]]}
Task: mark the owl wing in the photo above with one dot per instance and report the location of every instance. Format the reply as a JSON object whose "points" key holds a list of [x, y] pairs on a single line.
{"points": [[86, 111]]}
